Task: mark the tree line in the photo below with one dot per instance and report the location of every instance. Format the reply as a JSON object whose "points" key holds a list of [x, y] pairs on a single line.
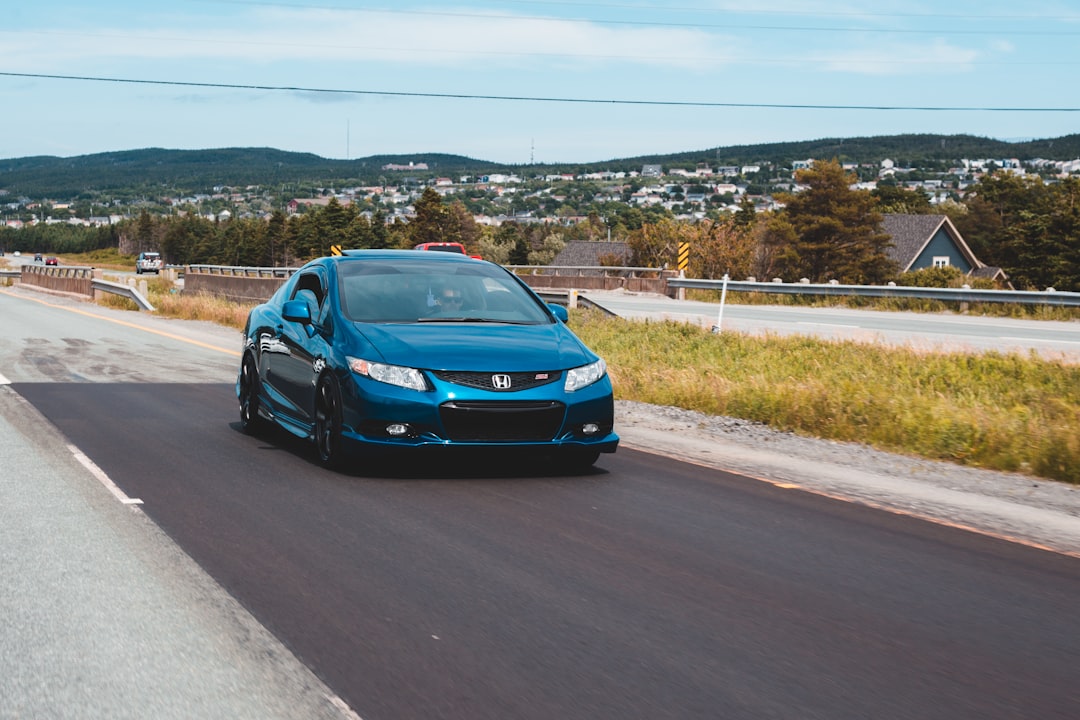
{"points": [[145, 172], [829, 231], [825, 231]]}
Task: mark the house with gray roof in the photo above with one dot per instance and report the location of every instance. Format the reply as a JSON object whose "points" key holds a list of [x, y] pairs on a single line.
{"points": [[581, 253], [924, 241]]}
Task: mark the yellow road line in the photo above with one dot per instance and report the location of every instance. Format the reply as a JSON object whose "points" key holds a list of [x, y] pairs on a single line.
{"points": [[207, 346]]}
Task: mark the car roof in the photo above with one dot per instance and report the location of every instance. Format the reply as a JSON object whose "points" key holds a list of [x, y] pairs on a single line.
{"points": [[406, 255]]}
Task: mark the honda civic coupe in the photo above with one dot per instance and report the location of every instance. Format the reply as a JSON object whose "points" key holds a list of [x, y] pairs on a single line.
{"points": [[377, 351]]}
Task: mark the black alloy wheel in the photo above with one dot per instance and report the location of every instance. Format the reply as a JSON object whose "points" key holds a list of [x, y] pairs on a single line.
{"points": [[249, 395], [328, 422]]}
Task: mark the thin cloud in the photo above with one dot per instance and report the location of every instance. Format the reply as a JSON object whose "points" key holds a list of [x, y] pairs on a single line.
{"points": [[273, 34], [893, 59]]}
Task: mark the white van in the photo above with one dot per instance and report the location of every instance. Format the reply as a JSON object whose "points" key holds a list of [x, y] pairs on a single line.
{"points": [[148, 262]]}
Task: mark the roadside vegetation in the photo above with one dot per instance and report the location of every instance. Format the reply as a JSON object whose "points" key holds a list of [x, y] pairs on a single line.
{"points": [[996, 411], [168, 302]]}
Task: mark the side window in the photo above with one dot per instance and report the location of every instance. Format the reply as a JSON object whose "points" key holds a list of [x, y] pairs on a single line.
{"points": [[309, 289]]}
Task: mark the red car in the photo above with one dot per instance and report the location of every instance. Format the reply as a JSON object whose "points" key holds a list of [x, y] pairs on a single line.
{"points": [[51, 261], [453, 247]]}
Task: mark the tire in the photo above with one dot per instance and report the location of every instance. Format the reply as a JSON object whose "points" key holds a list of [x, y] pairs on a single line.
{"points": [[328, 423], [250, 387]]}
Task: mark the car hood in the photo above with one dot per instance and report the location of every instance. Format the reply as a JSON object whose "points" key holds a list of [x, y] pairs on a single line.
{"points": [[477, 346]]}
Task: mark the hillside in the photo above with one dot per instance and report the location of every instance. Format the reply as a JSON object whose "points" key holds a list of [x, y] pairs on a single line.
{"points": [[194, 171], [154, 170]]}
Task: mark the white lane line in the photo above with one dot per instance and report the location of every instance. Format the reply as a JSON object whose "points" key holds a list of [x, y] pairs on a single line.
{"points": [[343, 708], [102, 477], [1039, 340], [4, 380], [821, 324]]}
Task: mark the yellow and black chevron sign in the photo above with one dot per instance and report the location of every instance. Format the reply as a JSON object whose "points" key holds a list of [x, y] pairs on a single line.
{"points": [[335, 249], [684, 255]]}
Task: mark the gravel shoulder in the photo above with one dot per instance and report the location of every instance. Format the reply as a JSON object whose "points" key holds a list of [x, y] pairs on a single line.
{"points": [[1026, 509]]}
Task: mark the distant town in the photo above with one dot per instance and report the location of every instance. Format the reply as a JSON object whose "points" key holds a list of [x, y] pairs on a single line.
{"points": [[493, 199]]}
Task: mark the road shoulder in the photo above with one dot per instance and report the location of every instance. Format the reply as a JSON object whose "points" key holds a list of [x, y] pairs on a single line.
{"points": [[1018, 507], [104, 613]]}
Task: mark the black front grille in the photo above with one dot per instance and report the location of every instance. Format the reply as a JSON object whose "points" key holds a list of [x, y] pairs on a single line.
{"points": [[487, 380], [502, 421]]}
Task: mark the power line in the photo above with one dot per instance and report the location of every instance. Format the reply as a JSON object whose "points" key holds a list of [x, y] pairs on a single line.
{"points": [[537, 98]]}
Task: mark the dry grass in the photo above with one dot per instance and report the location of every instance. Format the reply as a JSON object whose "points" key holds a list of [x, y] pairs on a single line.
{"points": [[169, 302], [201, 307], [1000, 411]]}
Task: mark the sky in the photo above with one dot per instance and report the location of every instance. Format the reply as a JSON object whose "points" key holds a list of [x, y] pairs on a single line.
{"points": [[518, 82]]}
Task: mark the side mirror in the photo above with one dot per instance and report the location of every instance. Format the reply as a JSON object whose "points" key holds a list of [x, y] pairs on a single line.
{"points": [[296, 311], [559, 311]]}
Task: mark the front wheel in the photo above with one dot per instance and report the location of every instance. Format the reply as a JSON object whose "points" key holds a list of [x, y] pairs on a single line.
{"points": [[328, 423], [249, 395]]}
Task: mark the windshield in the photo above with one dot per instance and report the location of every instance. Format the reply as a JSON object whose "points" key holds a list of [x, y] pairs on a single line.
{"points": [[391, 291]]}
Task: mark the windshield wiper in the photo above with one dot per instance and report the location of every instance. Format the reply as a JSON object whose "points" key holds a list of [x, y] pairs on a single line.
{"points": [[466, 318]]}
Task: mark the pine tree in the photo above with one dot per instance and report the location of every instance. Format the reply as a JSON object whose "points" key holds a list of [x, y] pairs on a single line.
{"points": [[838, 233], [431, 220]]}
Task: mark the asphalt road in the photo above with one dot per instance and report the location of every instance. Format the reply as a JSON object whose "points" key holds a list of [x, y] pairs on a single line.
{"points": [[646, 589]]}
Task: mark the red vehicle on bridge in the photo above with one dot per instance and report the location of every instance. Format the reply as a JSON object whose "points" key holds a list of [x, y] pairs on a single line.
{"points": [[453, 247]]}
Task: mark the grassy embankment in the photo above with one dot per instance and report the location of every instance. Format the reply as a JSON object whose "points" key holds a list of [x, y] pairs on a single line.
{"points": [[999, 411]]}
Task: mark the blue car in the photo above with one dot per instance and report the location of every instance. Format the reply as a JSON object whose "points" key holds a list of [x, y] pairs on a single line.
{"points": [[377, 351]]}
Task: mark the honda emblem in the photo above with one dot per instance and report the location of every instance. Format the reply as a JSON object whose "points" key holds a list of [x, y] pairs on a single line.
{"points": [[500, 382]]}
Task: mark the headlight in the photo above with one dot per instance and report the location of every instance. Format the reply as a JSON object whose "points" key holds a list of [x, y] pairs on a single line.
{"points": [[405, 377], [584, 376]]}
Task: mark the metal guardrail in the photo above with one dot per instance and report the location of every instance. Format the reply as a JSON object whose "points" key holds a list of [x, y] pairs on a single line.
{"points": [[95, 284], [232, 271], [970, 295], [569, 298], [1028, 297], [590, 270], [124, 291]]}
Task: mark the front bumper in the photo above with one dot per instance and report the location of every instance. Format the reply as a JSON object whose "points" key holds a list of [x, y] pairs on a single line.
{"points": [[378, 416]]}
